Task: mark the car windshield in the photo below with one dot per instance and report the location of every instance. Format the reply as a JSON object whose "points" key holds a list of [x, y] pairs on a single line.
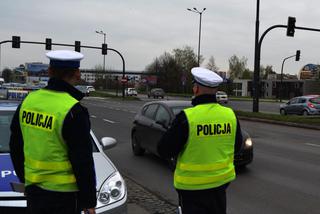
{"points": [[177, 109], [221, 93], [5, 121]]}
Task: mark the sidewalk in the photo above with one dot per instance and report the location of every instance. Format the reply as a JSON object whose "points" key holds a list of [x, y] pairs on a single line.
{"points": [[136, 209], [142, 201]]}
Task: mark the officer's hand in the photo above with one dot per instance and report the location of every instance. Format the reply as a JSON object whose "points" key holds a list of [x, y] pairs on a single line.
{"points": [[90, 211]]}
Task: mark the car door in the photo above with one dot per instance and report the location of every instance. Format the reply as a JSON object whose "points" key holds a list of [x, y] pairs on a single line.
{"points": [[299, 107], [144, 125], [160, 125], [290, 108]]}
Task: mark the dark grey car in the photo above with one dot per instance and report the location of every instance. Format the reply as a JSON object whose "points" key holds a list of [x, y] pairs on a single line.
{"points": [[304, 105], [156, 93], [155, 117]]}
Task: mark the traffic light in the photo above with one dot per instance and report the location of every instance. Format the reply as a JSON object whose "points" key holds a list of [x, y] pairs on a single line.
{"points": [[48, 44], [104, 49], [291, 26], [15, 41], [77, 46], [298, 55]]}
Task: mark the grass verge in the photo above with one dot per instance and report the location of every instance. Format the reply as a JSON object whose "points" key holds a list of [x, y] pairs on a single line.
{"points": [[309, 120]]}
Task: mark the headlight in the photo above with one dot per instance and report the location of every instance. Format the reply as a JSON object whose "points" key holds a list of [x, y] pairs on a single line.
{"points": [[248, 142], [112, 190]]}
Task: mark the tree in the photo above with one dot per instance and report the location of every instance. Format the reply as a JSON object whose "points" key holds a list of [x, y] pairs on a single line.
{"points": [[247, 74], [237, 66], [268, 70], [7, 75], [212, 64], [171, 69], [186, 57]]}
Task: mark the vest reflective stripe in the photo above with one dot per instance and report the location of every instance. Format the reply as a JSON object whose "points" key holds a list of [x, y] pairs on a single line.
{"points": [[57, 179], [228, 176], [41, 117], [205, 167], [207, 159], [59, 166]]}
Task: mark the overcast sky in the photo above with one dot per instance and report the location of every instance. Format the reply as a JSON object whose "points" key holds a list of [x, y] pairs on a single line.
{"points": [[144, 29]]}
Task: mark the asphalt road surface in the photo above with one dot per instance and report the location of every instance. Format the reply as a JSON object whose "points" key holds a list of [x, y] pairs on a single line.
{"points": [[283, 178]]}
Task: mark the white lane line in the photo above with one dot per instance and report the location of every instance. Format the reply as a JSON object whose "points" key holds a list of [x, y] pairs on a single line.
{"points": [[109, 121], [93, 116], [311, 144]]}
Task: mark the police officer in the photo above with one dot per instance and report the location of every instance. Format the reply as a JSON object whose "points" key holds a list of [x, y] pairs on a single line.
{"points": [[204, 139], [50, 143]]}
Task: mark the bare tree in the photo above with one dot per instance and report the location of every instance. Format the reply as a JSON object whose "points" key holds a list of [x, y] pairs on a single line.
{"points": [[237, 66], [212, 64]]}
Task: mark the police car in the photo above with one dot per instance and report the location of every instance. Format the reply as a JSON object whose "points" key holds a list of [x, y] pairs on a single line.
{"points": [[111, 188]]}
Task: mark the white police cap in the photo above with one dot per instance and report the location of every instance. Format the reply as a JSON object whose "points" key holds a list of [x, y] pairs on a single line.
{"points": [[64, 58], [206, 77]]}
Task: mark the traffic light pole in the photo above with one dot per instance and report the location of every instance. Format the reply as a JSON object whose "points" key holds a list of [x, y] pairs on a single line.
{"points": [[281, 76], [256, 81], [83, 46], [256, 73]]}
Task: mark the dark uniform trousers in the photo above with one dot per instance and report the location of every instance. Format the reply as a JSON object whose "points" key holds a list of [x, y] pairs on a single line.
{"points": [[41, 201], [209, 201]]}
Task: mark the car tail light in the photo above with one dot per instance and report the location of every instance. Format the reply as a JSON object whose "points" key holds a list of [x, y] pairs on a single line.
{"points": [[311, 105]]}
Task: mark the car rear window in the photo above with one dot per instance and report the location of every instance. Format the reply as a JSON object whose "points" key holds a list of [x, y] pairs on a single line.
{"points": [[315, 100], [177, 109], [150, 110]]}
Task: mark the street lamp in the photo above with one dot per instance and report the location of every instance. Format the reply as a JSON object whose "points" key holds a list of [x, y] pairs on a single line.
{"points": [[104, 42], [200, 13]]}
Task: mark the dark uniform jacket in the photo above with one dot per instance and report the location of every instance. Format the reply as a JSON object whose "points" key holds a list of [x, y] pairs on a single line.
{"points": [[76, 133]]}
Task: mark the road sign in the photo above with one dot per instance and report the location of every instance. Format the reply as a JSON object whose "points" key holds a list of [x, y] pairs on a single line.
{"points": [[124, 80]]}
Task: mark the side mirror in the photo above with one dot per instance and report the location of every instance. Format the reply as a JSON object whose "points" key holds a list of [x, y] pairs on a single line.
{"points": [[108, 143]]}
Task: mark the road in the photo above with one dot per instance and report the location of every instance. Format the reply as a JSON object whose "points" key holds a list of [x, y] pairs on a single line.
{"points": [[243, 105], [283, 178]]}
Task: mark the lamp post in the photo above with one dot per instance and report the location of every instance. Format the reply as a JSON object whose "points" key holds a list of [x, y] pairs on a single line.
{"points": [[104, 42], [200, 13]]}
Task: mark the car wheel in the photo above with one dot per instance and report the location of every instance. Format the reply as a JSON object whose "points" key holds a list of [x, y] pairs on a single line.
{"points": [[305, 113], [136, 148], [283, 112]]}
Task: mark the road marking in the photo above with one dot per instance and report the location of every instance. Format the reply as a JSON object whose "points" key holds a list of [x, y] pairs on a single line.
{"points": [[93, 116], [109, 121], [311, 144]]}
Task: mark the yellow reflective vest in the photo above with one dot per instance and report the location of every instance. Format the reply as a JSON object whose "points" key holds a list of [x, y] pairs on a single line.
{"points": [[207, 159], [41, 118]]}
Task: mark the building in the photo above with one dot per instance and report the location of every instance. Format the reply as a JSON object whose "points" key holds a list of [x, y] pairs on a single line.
{"points": [[37, 72], [274, 89]]}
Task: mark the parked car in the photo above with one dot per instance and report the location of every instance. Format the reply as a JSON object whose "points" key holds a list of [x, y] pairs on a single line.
{"points": [[155, 117], [90, 88], [156, 93], [303, 105], [111, 188], [222, 97], [131, 92], [84, 89]]}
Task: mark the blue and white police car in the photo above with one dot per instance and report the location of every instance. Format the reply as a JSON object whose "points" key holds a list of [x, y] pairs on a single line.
{"points": [[111, 188]]}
